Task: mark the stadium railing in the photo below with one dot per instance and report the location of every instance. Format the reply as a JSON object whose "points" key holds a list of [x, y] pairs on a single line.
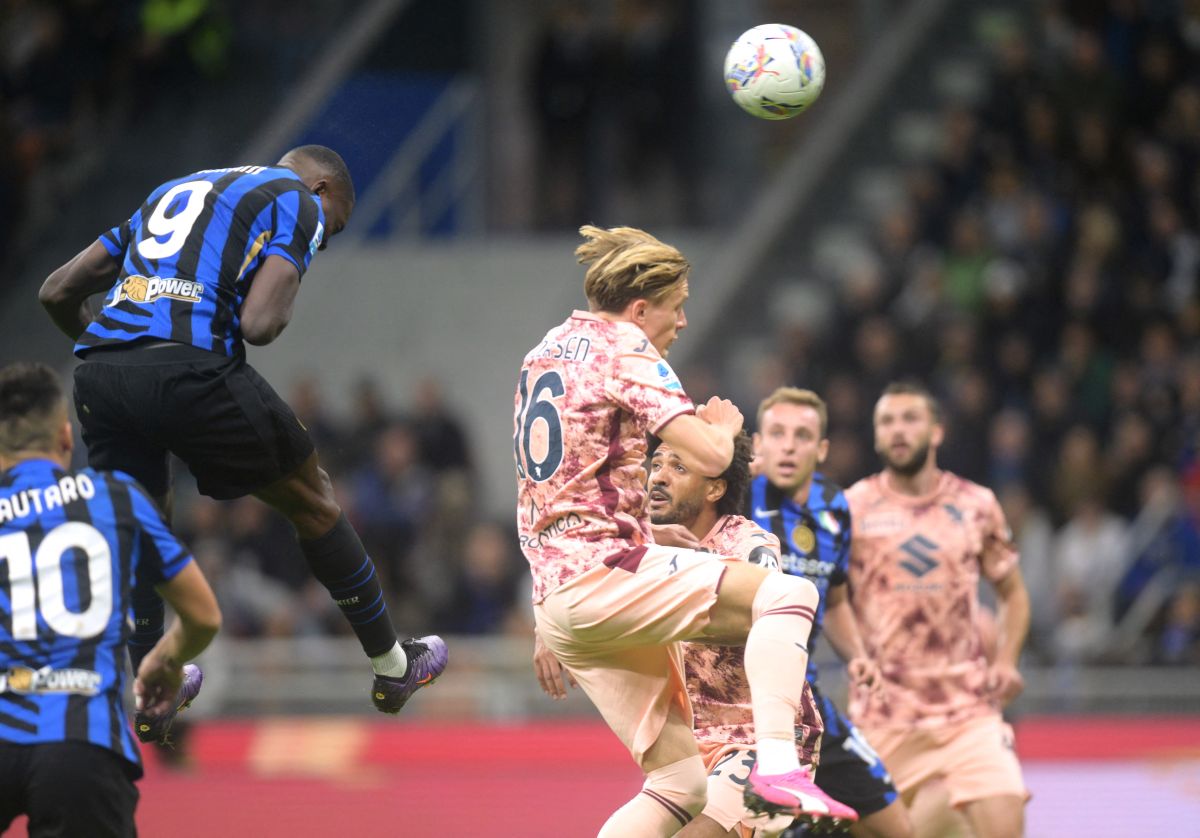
{"points": [[491, 679]]}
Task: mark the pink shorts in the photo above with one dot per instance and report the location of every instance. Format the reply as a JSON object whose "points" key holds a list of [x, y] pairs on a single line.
{"points": [[616, 629], [728, 767], [975, 759]]}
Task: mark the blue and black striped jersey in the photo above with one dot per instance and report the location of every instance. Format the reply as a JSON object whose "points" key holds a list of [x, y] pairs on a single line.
{"points": [[814, 537], [70, 545], [189, 254]]}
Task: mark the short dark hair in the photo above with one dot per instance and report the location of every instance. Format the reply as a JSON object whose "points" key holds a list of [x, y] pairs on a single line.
{"points": [[736, 476], [331, 163], [915, 388], [30, 393]]}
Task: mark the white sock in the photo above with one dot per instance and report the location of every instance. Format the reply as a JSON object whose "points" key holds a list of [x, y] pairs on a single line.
{"points": [[392, 663], [776, 756]]}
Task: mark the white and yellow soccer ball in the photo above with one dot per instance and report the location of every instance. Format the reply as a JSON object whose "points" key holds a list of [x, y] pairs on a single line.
{"points": [[774, 71]]}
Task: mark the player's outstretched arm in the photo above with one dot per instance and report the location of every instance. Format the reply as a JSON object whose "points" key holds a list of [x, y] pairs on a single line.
{"points": [[268, 306], [65, 292], [199, 620], [705, 441]]}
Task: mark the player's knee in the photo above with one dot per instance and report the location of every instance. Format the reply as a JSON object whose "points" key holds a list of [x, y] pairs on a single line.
{"points": [[781, 591], [315, 510], [682, 784]]}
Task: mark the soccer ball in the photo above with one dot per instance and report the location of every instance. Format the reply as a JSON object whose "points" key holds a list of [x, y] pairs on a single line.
{"points": [[774, 71]]}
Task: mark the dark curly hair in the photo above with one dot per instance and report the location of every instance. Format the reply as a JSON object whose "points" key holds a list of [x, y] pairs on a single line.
{"points": [[736, 477]]}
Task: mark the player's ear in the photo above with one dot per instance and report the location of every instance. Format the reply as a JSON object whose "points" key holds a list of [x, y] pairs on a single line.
{"points": [[716, 490], [822, 450], [938, 435], [66, 438], [637, 311]]}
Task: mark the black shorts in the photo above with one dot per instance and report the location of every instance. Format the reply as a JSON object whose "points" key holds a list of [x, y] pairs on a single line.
{"points": [[215, 413], [68, 789], [849, 770]]}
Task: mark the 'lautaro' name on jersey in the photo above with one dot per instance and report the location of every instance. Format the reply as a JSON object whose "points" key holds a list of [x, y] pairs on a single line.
{"points": [[37, 500]]}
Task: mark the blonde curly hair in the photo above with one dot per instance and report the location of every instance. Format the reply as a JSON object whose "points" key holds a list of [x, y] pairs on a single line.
{"points": [[626, 264]]}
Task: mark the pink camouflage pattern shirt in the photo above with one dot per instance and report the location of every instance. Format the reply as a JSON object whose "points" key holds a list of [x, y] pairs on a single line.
{"points": [[716, 676], [915, 564], [587, 396]]}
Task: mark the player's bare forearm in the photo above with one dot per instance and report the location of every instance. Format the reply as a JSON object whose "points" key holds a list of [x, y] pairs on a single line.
{"points": [[840, 626], [65, 292], [190, 596], [705, 441], [199, 618], [1014, 617], [70, 318]]}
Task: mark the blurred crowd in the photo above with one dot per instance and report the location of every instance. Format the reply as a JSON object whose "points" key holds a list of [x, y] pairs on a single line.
{"points": [[613, 95], [1040, 271], [76, 76], [68, 70], [405, 479]]}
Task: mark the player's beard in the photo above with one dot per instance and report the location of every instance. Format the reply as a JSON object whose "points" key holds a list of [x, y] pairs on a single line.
{"points": [[910, 466], [679, 512]]}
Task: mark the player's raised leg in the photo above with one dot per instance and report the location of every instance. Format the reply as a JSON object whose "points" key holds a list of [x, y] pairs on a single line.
{"points": [[339, 561], [774, 612]]}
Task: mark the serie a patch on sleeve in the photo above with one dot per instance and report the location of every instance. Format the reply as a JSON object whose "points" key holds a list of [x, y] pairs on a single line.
{"points": [[667, 378]]}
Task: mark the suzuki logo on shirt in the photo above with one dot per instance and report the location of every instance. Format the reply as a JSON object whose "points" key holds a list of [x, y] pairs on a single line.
{"points": [[919, 547]]}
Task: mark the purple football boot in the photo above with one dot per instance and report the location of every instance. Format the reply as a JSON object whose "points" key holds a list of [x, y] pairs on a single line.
{"points": [[158, 729], [427, 657]]}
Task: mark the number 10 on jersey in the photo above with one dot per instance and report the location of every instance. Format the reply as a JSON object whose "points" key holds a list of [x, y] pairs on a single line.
{"points": [[538, 444]]}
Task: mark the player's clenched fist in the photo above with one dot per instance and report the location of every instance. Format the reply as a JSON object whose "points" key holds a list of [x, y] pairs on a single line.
{"points": [[723, 413]]}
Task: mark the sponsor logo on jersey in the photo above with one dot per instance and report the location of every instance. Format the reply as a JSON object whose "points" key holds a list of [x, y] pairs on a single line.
{"points": [[879, 523], [764, 557], [21, 679], [804, 566], [148, 289], [920, 550]]}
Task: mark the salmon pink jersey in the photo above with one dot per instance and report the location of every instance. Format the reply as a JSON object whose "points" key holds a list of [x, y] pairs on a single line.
{"points": [[716, 676], [587, 396], [914, 574]]}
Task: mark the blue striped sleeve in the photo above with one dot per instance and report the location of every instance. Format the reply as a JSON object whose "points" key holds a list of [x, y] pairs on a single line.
{"points": [[299, 226], [116, 240]]}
